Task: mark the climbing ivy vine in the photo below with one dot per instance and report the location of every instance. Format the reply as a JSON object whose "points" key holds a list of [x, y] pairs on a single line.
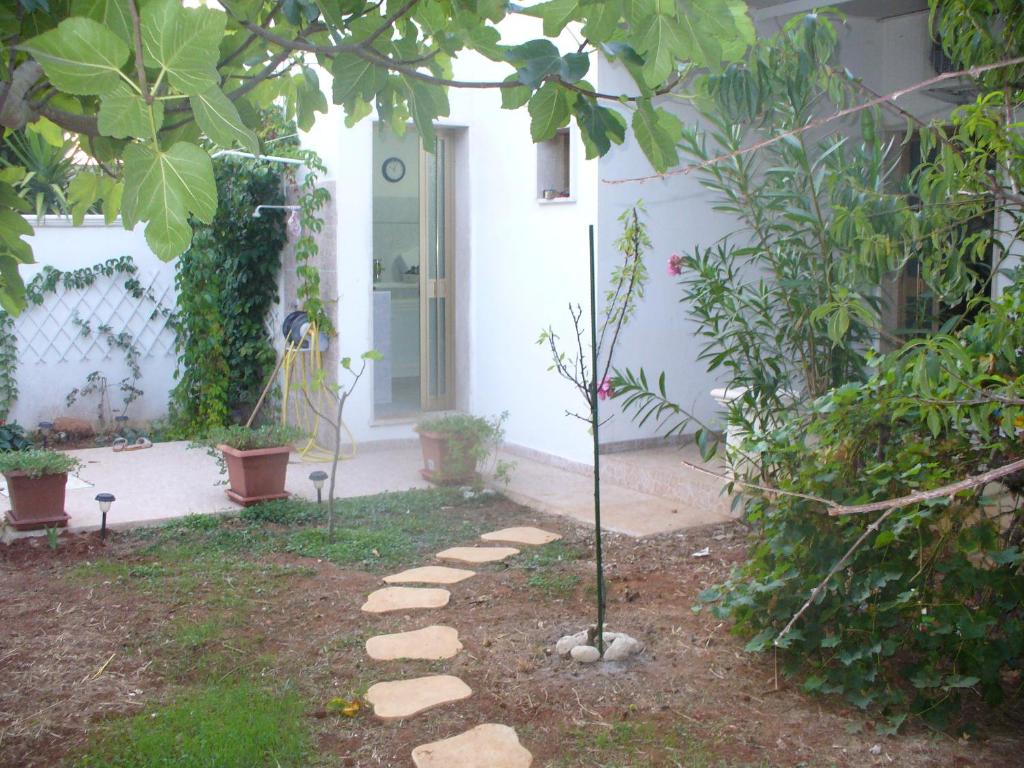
{"points": [[226, 284]]}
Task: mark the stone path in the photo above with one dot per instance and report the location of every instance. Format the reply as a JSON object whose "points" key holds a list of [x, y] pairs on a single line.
{"points": [[430, 643], [430, 574], [486, 746], [404, 698], [490, 745], [405, 598], [523, 535], [477, 555]]}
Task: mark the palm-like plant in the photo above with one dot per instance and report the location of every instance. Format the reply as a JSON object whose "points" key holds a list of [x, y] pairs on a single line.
{"points": [[48, 170]]}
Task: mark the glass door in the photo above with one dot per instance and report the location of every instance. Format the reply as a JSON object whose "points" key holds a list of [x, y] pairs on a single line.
{"points": [[436, 277], [412, 259]]}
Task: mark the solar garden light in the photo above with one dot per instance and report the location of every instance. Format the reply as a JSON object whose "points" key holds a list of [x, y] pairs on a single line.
{"points": [[45, 427], [104, 500], [318, 476]]}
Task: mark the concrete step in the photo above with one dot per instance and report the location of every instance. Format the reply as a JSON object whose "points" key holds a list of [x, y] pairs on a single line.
{"points": [[554, 490], [660, 472]]}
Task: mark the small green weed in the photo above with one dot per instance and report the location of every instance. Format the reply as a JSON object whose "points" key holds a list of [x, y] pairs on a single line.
{"points": [[233, 725], [560, 585]]}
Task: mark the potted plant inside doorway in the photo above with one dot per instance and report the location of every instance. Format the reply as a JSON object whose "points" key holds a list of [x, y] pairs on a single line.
{"points": [[255, 459], [456, 445], [36, 482]]}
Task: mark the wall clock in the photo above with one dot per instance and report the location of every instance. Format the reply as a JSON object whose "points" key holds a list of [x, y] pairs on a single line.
{"points": [[393, 169]]}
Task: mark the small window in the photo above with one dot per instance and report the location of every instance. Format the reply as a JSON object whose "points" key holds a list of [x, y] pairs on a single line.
{"points": [[553, 177]]}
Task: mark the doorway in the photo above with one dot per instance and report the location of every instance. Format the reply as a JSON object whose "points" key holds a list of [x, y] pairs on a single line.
{"points": [[413, 275]]}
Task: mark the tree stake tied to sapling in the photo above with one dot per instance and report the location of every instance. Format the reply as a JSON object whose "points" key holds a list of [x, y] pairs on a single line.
{"points": [[588, 371]]}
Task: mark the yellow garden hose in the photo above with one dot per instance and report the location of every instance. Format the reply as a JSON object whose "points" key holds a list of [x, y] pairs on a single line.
{"points": [[302, 370]]}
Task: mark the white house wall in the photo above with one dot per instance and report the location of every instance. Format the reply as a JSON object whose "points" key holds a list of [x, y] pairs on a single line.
{"points": [[519, 262], [53, 356], [886, 54]]}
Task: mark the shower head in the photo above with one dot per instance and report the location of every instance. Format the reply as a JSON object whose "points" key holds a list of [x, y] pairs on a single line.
{"points": [[258, 213]]}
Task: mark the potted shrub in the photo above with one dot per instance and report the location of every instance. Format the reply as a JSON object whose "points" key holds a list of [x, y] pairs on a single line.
{"points": [[36, 481], [454, 447], [256, 460]]}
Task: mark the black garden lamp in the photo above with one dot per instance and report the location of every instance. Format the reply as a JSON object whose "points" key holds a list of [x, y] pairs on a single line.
{"points": [[46, 427], [104, 500], [318, 476]]}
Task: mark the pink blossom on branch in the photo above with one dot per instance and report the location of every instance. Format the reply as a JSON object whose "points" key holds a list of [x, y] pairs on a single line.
{"points": [[605, 390], [675, 265]]}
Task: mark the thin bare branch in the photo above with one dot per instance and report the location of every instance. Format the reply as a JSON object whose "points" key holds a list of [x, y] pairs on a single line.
{"points": [[838, 115]]}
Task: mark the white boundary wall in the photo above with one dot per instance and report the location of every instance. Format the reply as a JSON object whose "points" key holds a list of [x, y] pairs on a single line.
{"points": [[53, 355]]}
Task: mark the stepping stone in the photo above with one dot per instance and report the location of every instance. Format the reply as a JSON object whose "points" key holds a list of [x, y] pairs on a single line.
{"points": [[430, 574], [404, 698], [477, 554], [404, 598], [432, 643], [523, 535], [487, 746]]}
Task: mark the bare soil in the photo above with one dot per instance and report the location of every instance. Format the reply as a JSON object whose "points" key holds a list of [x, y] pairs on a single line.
{"points": [[81, 644]]}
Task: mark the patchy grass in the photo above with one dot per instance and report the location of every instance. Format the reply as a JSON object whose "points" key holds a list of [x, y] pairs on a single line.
{"points": [[641, 744], [555, 585], [230, 725]]}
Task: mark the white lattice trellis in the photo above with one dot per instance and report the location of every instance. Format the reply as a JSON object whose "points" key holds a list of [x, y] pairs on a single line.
{"points": [[48, 334]]}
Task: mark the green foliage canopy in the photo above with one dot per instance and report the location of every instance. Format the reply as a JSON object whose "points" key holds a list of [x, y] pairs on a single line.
{"points": [[149, 86]]}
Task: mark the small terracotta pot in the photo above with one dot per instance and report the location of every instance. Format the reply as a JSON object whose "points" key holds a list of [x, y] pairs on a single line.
{"points": [[257, 475], [37, 503], [438, 466]]}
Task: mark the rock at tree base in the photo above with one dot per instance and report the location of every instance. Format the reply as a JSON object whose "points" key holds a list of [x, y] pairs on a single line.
{"points": [[487, 746], [404, 698], [585, 654]]}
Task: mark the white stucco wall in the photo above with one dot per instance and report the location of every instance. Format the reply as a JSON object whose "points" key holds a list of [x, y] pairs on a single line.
{"points": [[519, 262], [55, 363]]}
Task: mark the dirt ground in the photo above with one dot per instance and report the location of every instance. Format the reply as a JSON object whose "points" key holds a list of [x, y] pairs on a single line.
{"points": [[82, 642]]}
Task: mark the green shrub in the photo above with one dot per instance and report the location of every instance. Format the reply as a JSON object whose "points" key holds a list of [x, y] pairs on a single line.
{"points": [[12, 437], [471, 441], [251, 438], [932, 604], [38, 462]]}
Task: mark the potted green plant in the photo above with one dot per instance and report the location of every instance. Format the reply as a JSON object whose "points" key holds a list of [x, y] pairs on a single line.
{"points": [[454, 446], [256, 460], [36, 481]]}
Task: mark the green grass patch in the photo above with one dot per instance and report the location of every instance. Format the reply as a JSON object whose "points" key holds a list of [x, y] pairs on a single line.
{"points": [[561, 585], [555, 553], [231, 725]]}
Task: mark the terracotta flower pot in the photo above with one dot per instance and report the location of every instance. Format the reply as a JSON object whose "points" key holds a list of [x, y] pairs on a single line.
{"points": [[36, 502], [257, 475], [439, 464]]}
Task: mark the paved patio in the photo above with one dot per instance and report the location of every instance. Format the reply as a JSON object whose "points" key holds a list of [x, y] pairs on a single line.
{"points": [[170, 480]]}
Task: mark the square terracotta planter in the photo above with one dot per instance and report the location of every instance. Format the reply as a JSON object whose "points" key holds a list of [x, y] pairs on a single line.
{"points": [[438, 466], [256, 476], [37, 503]]}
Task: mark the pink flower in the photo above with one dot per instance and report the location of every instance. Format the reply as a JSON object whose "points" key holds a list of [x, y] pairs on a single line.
{"points": [[675, 265], [605, 390]]}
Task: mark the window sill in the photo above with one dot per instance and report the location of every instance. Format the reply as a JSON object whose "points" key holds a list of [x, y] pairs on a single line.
{"points": [[556, 201]]}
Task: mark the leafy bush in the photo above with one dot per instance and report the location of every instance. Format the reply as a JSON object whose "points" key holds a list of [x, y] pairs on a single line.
{"points": [[251, 438], [932, 603], [471, 441], [12, 437], [37, 462]]}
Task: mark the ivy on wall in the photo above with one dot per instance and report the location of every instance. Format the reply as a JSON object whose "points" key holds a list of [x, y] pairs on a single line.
{"points": [[226, 284]]}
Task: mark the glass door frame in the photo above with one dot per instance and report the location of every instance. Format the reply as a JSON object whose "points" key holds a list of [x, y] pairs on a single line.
{"points": [[437, 288]]}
